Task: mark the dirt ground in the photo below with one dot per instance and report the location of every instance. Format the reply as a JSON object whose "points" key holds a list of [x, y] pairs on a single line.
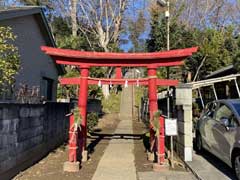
{"points": [[51, 167], [141, 162]]}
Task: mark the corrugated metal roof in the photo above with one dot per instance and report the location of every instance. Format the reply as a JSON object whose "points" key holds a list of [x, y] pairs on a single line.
{"points": [[220, 71], [210, 82]]}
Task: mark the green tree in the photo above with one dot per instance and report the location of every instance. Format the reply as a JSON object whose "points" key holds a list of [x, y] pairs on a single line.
{"points": [[216, 48], [9, 57], [180, 37], [136, 28]]}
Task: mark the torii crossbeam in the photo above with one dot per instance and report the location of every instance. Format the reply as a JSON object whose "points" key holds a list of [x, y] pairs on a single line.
{"points": [[84, 60], [137, 82]]}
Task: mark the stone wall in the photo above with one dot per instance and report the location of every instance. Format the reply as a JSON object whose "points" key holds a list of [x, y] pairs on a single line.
{"points": [[28, 132]]}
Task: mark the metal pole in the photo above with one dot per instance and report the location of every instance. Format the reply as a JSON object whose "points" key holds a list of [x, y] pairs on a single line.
{"points": [[168, 75], [215, 93], [168, 25], [200, 94], [235, 80]]}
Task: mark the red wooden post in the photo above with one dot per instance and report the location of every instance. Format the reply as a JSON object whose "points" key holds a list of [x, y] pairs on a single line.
{"points": [[72, 155], [118, 72], [82, 103], [152, 93], [161, 141], [72, 165]]}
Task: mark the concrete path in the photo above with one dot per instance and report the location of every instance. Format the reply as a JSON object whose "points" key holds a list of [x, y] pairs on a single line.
{"points": [[117, 163]]}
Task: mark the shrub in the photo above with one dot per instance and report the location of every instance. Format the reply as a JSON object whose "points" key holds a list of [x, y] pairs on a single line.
{"points": [[92, 121], [112, 103]]}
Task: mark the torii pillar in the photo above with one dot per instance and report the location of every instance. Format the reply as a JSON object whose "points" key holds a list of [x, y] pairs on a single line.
{"points": [[82, 104], [153, 107], [118, 72]]}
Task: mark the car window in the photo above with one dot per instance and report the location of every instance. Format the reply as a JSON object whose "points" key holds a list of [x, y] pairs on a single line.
{"points": [[237, 107], [233, 122], [210, 109], [223, 112]]}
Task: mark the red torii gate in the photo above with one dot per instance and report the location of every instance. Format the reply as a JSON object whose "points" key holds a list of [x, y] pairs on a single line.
{"points": [[84, 60]]}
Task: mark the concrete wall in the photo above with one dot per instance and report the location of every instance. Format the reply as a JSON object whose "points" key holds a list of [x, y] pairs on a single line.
{"points": [[183, 113], [28, 133], [34, 63]]}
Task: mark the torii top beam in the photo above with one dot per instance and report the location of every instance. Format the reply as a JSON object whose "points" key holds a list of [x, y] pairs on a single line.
{"points": [[88, 59]]}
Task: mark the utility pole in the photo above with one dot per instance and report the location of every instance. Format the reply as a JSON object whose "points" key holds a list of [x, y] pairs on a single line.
{"points": [[165, 3]]}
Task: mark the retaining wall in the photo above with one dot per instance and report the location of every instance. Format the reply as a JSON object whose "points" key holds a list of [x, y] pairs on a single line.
{"points": [[28, 132]]}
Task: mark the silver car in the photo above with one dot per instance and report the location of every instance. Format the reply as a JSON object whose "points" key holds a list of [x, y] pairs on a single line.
{"points": [[218, 131]]}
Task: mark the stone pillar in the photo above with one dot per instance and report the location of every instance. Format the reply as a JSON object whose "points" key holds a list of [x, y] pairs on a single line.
{"points": [[82, 103], [184, 138]]}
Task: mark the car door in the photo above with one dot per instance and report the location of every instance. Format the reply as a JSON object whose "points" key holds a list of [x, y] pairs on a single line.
{"points": [[224, 136], [208, 123]]}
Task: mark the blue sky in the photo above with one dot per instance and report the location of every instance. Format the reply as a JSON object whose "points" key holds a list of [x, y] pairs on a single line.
{"points": [[134, 7]]}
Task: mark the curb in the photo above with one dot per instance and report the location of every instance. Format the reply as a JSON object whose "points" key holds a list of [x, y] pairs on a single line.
{"points": [[192, 170]]}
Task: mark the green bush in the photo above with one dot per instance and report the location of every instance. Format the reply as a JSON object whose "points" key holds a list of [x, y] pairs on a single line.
{"points": [[92, 121], [112, 103]]}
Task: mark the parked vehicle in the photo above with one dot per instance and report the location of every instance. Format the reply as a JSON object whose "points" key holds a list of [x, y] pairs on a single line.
{"points": [[218, 131]]}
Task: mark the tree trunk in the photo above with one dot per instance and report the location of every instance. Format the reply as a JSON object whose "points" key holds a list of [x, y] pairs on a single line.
{"points": [[74, 17]]}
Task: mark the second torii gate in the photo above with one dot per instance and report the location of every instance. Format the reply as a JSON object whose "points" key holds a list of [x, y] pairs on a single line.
{"points": [[85, 60]]}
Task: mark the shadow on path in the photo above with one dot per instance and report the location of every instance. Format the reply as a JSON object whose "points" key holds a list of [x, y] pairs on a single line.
{"points": [[96, 138]]}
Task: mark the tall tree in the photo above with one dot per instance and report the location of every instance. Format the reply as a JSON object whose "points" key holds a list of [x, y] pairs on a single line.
{"points": [[102, 19], [203, 14], [136, 28], [216, 48], [74, 17]]}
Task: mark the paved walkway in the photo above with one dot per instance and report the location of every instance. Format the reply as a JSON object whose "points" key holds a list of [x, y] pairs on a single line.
{"points": [[117, 163], [208, 167]]}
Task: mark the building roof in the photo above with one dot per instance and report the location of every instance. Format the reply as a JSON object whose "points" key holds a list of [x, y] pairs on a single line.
{"points": [[212, 81], [15, 12], [222, 72]]}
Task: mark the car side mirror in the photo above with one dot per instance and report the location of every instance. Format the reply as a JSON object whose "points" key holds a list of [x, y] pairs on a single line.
{"points": [[225, 122]]}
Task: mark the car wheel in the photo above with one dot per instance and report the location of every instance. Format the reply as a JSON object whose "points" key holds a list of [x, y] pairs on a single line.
{"points": [[198, 143], [237, 165]]}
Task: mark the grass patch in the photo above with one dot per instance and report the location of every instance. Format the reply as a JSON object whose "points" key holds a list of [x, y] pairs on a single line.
{"points": [[112, 103], [139, 93]]}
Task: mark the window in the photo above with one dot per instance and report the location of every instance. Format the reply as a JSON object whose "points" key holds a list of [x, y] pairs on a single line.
{"points": [[210, 109], [223, 112], [47, 88], [237, 107]]}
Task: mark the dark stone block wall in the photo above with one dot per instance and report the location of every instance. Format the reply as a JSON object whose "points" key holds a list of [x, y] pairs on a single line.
{"points": [[28, 132]]}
